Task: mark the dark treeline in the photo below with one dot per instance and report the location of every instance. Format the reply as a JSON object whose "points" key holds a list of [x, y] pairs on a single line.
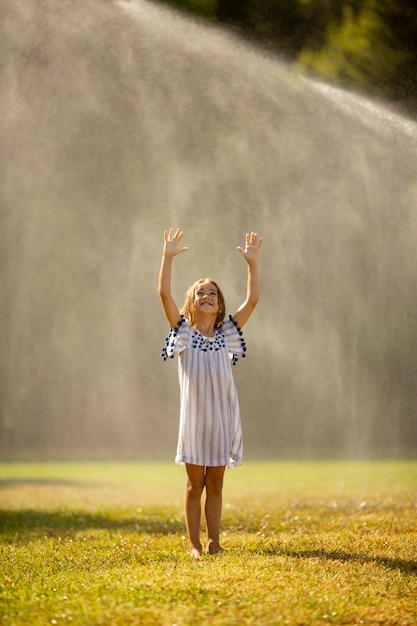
{"points": [[365, 45]]}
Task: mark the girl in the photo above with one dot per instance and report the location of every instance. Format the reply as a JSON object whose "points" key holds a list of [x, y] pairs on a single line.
{"points": [[210, 434]]}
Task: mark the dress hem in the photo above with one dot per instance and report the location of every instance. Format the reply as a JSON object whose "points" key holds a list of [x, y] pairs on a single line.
{"points": [[181, 460]]}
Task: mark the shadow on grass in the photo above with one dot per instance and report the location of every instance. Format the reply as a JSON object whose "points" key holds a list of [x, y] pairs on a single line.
{"points": [[29, 524], [55, 482], [407, 567]]}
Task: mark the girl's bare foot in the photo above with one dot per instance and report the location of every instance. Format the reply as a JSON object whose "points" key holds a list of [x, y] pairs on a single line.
{"points": [[196, 552], [213, 548]]}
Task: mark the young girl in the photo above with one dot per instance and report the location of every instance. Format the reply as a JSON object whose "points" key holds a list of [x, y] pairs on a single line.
{"points": [[210, 434]]}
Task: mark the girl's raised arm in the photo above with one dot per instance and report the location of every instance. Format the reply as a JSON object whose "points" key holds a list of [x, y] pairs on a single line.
{"points": [[172, 247], [250, 254]]}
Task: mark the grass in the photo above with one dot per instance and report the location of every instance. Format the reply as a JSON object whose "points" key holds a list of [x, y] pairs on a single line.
{"points": [[306, 543]]}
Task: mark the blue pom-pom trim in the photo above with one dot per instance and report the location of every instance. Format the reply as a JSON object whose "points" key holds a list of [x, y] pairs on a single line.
{"points": [[235, 357], [170, 340]]}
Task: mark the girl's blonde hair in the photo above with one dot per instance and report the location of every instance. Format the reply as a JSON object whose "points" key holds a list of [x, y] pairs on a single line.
{"points": [[188, 308]]}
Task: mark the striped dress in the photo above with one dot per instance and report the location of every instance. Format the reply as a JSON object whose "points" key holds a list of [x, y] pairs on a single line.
{"points": [[210, 432]]}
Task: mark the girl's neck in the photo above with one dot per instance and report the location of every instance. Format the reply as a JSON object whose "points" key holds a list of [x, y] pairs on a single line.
{"points": [[205, 327]]}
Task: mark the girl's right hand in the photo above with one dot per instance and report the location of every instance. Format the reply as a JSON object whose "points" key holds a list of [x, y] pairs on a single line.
{"points": [[172, 242]]}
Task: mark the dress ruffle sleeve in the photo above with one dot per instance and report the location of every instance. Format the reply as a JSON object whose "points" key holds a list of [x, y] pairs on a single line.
{"points": [[235, 342], [177, 339]]}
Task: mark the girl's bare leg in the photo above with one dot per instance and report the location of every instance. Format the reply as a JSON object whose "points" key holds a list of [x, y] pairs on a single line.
{"points": [[192, 506], [213, 509]]}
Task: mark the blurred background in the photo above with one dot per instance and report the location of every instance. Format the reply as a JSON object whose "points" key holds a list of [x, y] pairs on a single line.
{"points": [[122, 118], [368, 46]]}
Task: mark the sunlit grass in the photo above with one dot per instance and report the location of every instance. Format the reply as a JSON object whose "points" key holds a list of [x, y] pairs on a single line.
{"points": [[306, 543]]}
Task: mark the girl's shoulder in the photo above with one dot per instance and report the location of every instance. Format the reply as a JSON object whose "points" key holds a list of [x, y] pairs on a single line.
{"points": [[230, 327], [234, 339], [177, 339]]}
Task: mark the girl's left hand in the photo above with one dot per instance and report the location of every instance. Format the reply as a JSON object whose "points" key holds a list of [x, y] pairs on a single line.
{"points": [[252, 247]]}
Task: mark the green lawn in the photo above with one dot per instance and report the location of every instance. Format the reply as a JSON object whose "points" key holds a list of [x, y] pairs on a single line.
{"points": [[306, 543]]}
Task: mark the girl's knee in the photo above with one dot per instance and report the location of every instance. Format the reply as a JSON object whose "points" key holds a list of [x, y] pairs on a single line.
{"points": [[194, 488], [195, 479], [214, 482]]}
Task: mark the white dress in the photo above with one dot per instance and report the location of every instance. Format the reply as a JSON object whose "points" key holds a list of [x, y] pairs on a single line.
{"points": [[210, 431]]}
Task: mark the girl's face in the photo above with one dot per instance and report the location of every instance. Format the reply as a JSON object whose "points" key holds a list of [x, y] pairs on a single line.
{"points": [[207, 298]]}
